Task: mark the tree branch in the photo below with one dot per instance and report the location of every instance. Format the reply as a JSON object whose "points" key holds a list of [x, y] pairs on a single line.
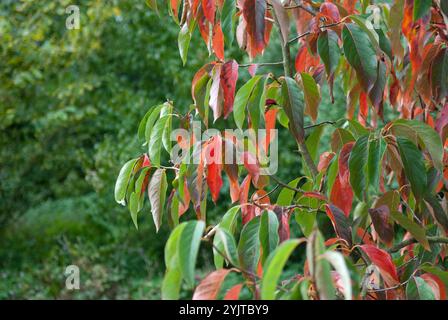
{"points": [[408, 242], [320, 124], [288, 73]]}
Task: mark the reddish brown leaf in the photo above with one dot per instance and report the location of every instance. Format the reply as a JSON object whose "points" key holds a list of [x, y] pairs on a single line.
{"points": [[247, 210], [208, 289], [254, 12], [383, 261], [340, 223], [331, 11], [381, 221], [305, 61], [270, 117], [229, 77], [324, 160], [218, 41]]}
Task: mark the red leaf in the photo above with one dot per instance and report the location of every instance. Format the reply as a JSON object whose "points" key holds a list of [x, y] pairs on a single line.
{"points": [[383, 261], [218, 41], [251, 165], [208, 6], [342, 196], [283, 219], [208, 289], [340, 223], [229, 77], [349, 5], [363, 109], [270, 117], [305, 61], [253, 69], [214, 166], [231, 168], [234, 292], [254, 12], [330, 10], [380, 218], [204, 26], [146, 161], [247, 210], [184, 204]]}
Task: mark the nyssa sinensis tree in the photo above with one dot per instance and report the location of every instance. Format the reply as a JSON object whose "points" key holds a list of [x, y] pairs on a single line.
{"points": [[381, 182]]}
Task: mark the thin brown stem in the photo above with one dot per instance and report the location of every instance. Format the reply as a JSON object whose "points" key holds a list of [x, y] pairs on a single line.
{"points": [[408, 242]]}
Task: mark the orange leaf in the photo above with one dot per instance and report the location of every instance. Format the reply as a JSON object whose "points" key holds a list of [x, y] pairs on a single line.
{"points": [[214, 166], [209, 10], [208, 289], [218, 41]]}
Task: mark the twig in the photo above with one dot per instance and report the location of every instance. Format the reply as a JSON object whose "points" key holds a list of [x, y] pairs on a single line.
{"points": [[320, 124], [408, 242], [309, 32], [261, 64]]}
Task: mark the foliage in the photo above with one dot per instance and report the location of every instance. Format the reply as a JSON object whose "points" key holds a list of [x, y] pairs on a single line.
{"points": [[380, 181]]}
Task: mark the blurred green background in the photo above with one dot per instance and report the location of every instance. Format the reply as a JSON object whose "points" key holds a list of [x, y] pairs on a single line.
{"points": [[70, 104]]}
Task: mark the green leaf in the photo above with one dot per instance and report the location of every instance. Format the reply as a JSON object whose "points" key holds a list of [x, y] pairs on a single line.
{"points": [[306, 220], [385, 44], [228, 223], [417, 231], [155, 144], [148, 125], [133, 207], [414, 167], [443, 275], [121, 184], [312, 95], [173, 276], [357, 164], [183, 41], [418, 289], [377, 148], [286, 195], [274, 266], [361, 55], [227, 21], [268, 233], [438, 211], [255, 103], [243, 97], [188, 250], [427, 137], [337, 260], [157, 193], [228, 245], [330, 53], [421, 7], [293, 106], [249, 246]]}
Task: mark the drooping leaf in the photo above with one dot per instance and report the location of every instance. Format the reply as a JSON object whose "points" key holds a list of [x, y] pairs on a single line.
{"points": [[229, 77], [157, 193], [274, 266], [312, 95], [243, 96], [218, 41], [416, 230], [254, 12], [358, 166], [208, 6], [381, 221], [419, 289], [340, 222], [183, 41], [330, 53], [427, 137], [268, 234], [209, 287], [283, 19], [293, 106], [361, 54], [421, 7], [337, 261], [414, 167], [154, 148], [190, 240], [227, 246], [227, 20], [383, 261], [123, 180], [248, 246]]}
